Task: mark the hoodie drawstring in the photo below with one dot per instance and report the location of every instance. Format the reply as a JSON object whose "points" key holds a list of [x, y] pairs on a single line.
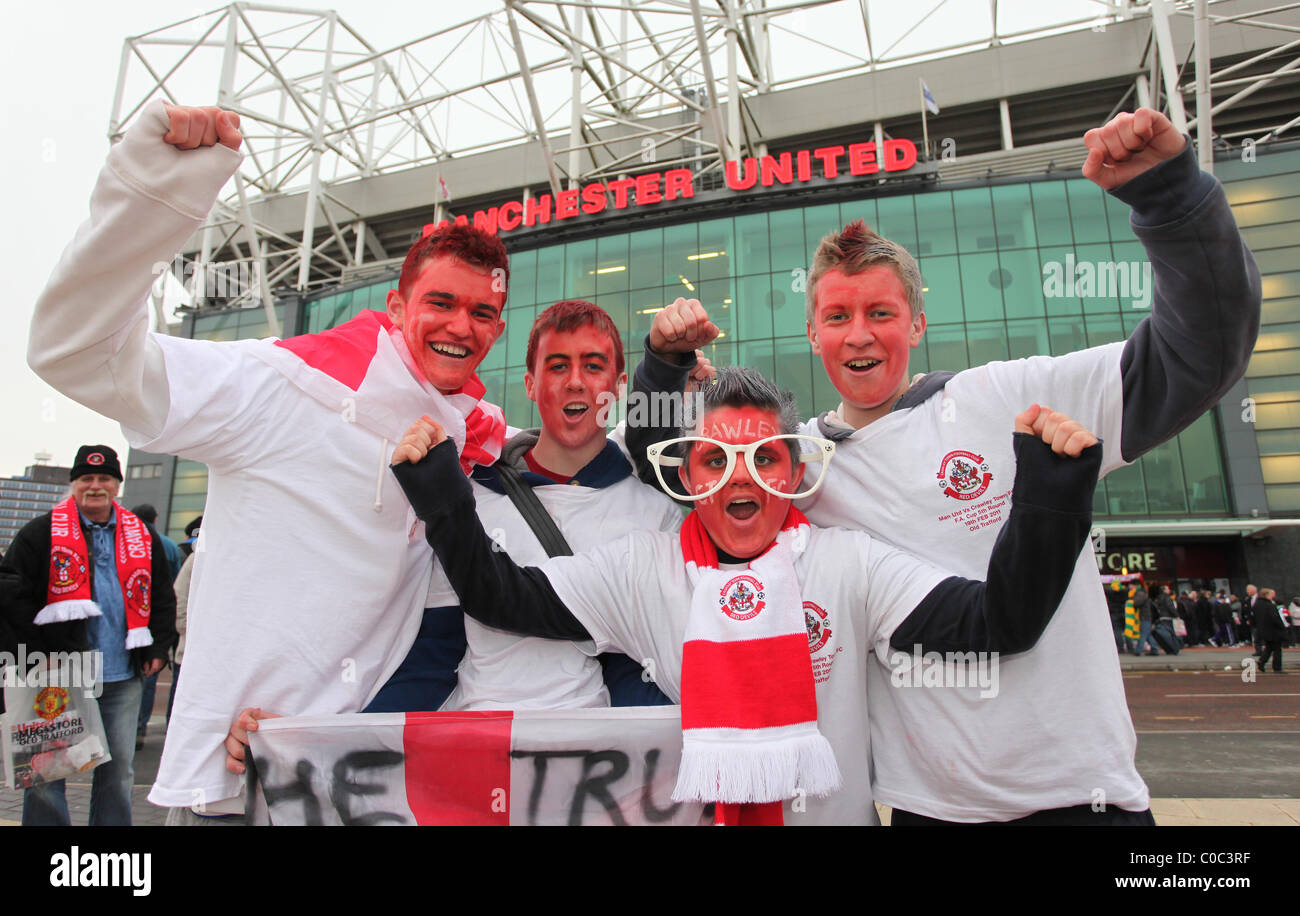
{"points": [[379, 478]]}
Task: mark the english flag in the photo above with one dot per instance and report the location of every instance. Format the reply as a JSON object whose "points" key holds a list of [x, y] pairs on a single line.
{"points": [[534, 767]]}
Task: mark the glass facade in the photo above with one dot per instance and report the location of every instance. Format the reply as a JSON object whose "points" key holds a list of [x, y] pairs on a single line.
{"points": [[1265, 197], [986, 254], [1002, 271]]}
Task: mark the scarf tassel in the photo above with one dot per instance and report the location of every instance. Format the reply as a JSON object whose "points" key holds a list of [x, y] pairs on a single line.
{"points": [[64, 611], [735, 772], [138, 638]]}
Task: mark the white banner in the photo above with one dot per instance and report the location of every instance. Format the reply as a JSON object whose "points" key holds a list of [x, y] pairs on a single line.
{"points": [[574, 767]]}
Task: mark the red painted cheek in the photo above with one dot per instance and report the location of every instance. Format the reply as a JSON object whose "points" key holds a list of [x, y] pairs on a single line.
{"points": [[706, 501]]}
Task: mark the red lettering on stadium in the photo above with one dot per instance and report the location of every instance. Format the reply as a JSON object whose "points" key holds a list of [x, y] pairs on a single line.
{"points": [[676, 184]]}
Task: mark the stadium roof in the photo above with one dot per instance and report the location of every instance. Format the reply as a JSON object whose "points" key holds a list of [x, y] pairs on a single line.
{"points": [[345, 139]]}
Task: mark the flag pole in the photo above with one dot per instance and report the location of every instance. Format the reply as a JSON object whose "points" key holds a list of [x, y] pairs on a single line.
{"points": [[440, 207], [925, 129]]}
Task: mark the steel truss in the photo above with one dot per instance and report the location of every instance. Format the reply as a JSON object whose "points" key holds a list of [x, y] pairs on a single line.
{"points": [[604, 88]]}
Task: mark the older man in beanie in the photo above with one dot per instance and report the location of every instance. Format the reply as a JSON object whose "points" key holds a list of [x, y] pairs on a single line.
{"points": [[97, 580]]}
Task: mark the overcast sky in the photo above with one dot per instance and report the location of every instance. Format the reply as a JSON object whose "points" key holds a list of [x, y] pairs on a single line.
{"points": [[60, 65]]}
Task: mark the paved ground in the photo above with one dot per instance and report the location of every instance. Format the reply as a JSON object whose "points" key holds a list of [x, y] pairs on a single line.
{"points": [[1215, 749], [1209, 659]]}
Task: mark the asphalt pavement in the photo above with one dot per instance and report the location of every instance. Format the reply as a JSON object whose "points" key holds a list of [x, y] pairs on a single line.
{"points": [[1218, 743]]}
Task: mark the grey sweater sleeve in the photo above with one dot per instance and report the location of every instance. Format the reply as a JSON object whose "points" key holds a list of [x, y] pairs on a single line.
{"points": [[655, 375], [1205, 309]]}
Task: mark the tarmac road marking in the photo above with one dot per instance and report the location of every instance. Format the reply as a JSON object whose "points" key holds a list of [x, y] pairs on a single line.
{"points": [[1292, 733], [1243, 694], [1180, 718], [1273, 717]]}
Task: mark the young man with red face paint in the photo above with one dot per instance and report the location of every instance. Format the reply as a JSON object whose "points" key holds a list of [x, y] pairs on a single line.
{"points": [[315, 580], [720, 608], [925, 466]]}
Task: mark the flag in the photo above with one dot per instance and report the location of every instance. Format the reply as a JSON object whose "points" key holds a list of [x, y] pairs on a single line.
{"points": [[930, 103], [530, 767], [446, 192]]}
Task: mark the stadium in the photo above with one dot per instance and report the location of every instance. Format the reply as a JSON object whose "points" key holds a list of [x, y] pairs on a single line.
{"points": [[633, 152]]}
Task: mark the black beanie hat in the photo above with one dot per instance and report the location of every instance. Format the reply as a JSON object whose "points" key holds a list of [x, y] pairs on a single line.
{"points": [[95, 459]]}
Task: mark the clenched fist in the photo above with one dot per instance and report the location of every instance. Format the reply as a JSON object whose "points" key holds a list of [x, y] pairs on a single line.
{"points": [[190, 128], [423, 435], [682, 327], [1128, 145], [1065, 436]]}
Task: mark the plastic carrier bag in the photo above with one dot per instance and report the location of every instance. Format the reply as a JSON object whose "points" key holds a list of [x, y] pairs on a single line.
{"points": [[51, 729]]}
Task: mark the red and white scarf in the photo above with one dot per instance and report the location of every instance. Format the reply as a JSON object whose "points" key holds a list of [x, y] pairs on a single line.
{"points": [[68, 596], [749, 703]]}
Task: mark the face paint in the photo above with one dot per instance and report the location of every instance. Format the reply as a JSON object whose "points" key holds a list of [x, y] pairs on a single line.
{"points": [[449, 319], [574, 369], [863, 331], [742, 518]]}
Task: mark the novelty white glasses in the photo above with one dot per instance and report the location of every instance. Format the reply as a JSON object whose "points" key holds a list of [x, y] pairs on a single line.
{"points": [[824, 451]]}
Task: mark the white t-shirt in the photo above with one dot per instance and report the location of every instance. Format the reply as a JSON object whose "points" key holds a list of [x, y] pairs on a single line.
{"points": [[935, 480], [504, 671], [633, 596], [311, 573]]}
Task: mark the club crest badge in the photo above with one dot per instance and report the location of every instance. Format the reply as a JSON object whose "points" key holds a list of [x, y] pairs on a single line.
{"points": [[742, 598], [51, 702], [95, 458], [963, 475], [819, 631], [139, 588], [67, 571]]}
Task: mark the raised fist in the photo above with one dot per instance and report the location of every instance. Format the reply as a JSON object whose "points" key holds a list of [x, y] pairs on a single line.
{"points": [[190, 128], [1065, 436], [682, 327], [423, 435], [1128, 145]]}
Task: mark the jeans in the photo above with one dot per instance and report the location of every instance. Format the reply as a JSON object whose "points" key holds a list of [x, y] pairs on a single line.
{"points": [[110, 791], [1145, 643], [146, 701]]}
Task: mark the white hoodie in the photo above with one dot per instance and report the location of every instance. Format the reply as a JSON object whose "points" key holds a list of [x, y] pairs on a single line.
{"points": [[312, 573]]}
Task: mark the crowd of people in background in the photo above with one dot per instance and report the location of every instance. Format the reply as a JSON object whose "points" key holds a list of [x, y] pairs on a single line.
{"points": [[1155, 622]]}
